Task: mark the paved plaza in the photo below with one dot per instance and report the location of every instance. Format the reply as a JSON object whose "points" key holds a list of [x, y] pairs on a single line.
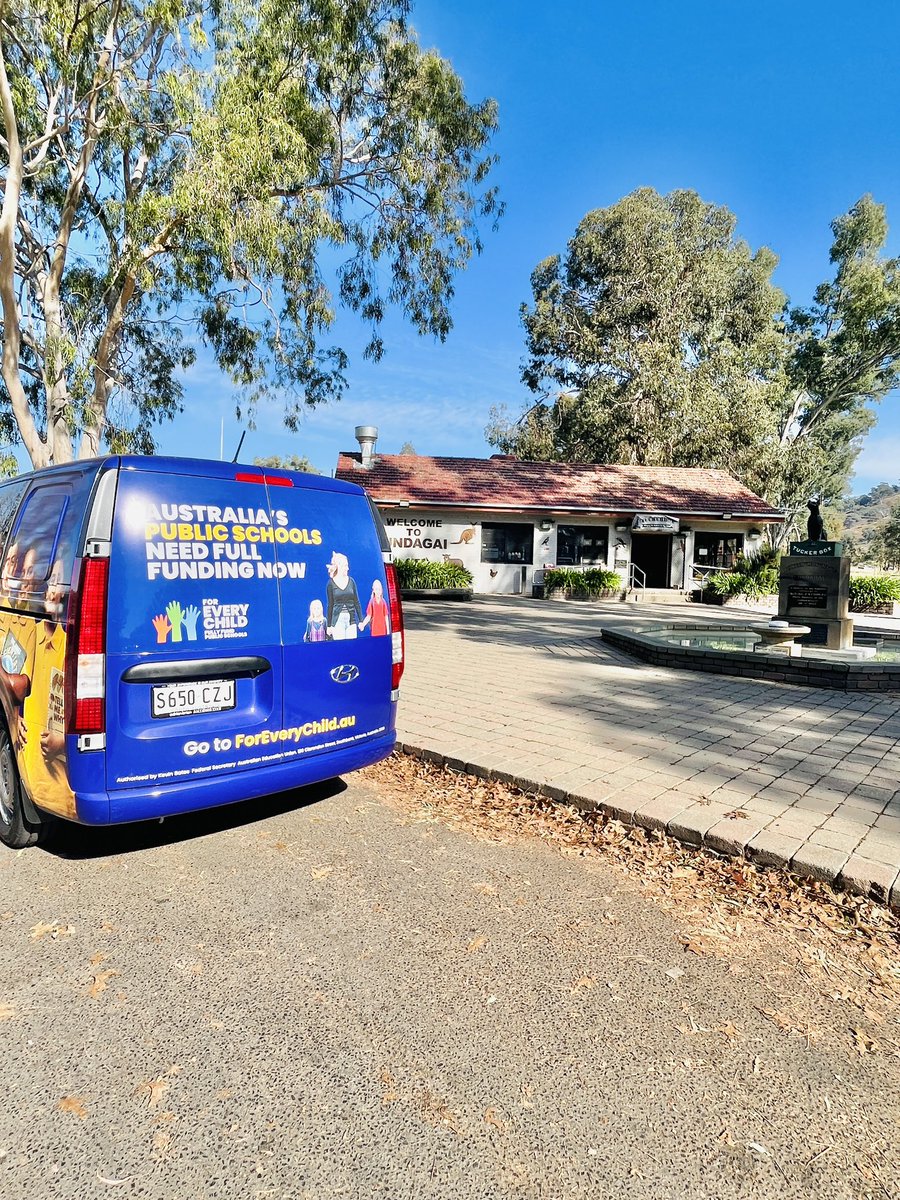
{"points": [[525, 690]]}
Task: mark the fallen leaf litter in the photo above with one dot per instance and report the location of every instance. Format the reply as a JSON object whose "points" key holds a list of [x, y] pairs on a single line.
{"points": [[847, 947]]}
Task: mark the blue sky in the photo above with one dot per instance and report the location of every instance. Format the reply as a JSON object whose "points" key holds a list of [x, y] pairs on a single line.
{"points": [[784, 112]]}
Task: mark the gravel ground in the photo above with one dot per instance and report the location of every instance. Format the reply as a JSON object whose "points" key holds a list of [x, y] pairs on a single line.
{"points": [[338, 995]]}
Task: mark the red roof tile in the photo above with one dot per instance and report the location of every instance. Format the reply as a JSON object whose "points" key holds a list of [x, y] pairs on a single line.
{"points": [[501, 483]]}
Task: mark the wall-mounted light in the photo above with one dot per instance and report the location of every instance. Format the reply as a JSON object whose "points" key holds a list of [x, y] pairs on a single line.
{"points": [[726, 516], [622, 527], [403, 503], [754, 533], [546, 525]]}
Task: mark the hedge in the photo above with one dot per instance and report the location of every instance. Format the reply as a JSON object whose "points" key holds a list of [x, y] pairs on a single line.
{"points": [[581, 583], [424, 573], [868, 592]]}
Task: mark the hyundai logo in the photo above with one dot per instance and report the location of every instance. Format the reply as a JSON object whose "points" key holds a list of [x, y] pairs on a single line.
{"points": [[345, 673]]}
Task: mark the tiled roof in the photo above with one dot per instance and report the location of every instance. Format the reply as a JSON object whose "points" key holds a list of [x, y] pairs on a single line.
{"points": [[501, 483]]}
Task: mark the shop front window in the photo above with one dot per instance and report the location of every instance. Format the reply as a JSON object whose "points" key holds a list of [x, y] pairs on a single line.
{"points": [[581, 545], [507, 543], [717, 549]]}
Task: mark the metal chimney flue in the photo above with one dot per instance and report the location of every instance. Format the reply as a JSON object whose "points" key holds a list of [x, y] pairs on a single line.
{"points": [[367, 436]]}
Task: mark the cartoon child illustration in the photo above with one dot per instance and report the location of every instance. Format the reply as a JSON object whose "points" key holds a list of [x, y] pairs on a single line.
{"points": [[17, 638], [9, 576], [316, 626], [344, 611], [377, 614], [42, 731], [28, 579]]}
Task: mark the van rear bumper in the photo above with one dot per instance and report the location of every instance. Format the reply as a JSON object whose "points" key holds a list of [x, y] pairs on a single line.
{"points": [[172, 799]]}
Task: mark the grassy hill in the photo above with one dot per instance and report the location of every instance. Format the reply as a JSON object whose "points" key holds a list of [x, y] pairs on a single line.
{"points": [[863, 514]]}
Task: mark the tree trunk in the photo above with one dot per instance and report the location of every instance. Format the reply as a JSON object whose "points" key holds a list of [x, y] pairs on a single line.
{"points": [[12, 328]]}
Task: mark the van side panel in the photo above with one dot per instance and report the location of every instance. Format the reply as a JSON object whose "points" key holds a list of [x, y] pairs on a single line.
{"points": [[35, 585]]}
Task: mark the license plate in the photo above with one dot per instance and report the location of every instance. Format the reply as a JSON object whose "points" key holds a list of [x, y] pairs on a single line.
{"points": [[185, 699]]}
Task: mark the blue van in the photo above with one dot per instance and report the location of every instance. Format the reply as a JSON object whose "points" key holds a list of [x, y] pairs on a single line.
{"points": [[177, 634]]}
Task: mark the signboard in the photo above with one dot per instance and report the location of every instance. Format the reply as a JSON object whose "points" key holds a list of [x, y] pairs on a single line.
{"points": [[654, 523], [807, 595], [817, 549]]}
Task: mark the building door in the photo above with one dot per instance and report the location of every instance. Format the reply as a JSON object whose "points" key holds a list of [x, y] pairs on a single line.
{"points": [[652, 553], [506, 550]]}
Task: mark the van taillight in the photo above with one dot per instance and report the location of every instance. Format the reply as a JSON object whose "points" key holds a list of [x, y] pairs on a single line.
{"points": [[86, 650], [258, 477], [397, 643]]}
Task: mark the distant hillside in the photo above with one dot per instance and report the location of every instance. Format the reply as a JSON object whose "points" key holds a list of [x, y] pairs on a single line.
{"points": [[863, 514]]}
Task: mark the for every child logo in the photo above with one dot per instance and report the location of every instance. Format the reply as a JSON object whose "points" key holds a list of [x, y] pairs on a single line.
{"points": [[219, 621]]}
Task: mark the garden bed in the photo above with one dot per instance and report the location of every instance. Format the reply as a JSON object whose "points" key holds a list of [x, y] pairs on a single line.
{"points": [[436, 593], [592, 583]]}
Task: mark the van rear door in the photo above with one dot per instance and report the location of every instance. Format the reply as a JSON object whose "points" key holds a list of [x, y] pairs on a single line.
{"points": [[335, 613], [194, 657]]}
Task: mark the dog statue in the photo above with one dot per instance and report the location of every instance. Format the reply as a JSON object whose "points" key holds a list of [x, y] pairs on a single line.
{"points": [[815, 526]]}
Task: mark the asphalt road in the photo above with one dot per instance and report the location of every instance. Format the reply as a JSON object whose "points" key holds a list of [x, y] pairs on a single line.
{"points": [[323, 997]]}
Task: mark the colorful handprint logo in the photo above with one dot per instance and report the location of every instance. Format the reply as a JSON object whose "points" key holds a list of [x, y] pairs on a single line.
{"points": [[180, 622]]}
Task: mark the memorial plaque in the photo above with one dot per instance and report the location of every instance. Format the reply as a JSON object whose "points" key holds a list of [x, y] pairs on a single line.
{"points": [[807, 595], [814, 586], [817, 549]]}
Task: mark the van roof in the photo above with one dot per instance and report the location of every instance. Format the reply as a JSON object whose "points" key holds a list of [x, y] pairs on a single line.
{"points": [[208, 467]]}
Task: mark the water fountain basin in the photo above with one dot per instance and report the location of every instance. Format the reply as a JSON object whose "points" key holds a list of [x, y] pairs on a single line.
{"points": [[872, 664]]}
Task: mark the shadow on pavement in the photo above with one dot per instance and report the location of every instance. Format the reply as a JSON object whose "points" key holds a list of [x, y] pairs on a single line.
{"points": [[518, 620], [70, 841]]}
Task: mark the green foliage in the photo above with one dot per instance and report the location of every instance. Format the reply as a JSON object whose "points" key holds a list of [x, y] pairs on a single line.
{"points": [[292, 462], [590, 582], [842, 354], [231, 172], [884, 545], [753, 577], [660, 338], [653, 340], [423, 573], [868, 592]]}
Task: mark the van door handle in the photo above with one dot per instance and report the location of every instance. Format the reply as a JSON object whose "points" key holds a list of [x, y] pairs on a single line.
{"points": [[240, 667]]}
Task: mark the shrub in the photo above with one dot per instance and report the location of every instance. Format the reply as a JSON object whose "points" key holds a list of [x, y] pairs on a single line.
{"points": [[752, 577], [868, 592], [423, 573], [581, 583]]}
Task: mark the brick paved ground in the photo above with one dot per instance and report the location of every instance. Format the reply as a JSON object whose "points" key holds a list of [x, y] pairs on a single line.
{"points": [[525, 690]]}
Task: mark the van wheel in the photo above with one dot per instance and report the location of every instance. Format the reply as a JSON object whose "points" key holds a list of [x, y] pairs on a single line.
{"points": [[15, 831]]}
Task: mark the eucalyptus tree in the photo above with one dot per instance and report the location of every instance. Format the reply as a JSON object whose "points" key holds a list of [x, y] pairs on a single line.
{"points": [[659, 337], [842, 356], [180, 172], [653, 340]]}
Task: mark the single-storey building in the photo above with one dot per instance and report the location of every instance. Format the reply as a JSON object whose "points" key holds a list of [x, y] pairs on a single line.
{"points": [[507, 520]]}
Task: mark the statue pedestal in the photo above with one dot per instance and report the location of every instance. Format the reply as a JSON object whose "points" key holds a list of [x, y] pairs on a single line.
{"points": [[814, 590]]}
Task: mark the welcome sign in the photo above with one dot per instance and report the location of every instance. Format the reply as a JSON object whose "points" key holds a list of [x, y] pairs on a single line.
{"points": [[655, 523]]}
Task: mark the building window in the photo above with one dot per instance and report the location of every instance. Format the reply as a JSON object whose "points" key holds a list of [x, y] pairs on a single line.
{"points": [[578, 545], [717, 549], [507, 543]]}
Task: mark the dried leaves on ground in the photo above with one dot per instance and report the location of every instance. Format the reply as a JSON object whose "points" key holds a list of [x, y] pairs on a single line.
{"points": [[847, 947]]}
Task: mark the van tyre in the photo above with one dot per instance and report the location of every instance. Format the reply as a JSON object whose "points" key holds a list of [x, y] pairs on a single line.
{"points": [[15, 830]]}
